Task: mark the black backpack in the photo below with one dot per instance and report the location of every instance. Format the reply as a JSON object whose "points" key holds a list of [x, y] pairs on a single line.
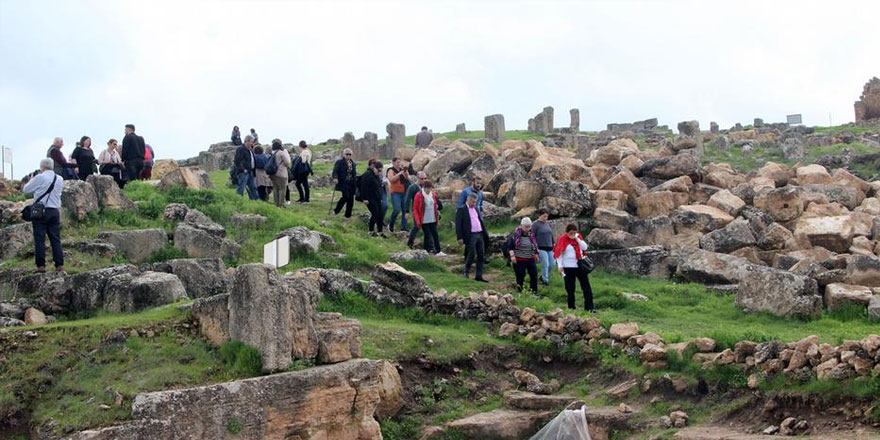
{"points": [[271, 166]]}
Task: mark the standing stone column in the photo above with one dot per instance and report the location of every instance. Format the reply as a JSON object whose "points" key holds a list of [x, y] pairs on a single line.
{"points": [[532, 127], [396, 136], [494, 127], [348, 139], [540, 123], [713, 127], [548, 120], [460, 128], [758, 123], [575, 120], [692, 128]]}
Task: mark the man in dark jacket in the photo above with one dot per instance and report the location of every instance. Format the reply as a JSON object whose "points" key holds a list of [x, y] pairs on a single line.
{"points": [[469, 230], [345, 178], [371, 193], [133, 150], [424, 138], [245, 168]]}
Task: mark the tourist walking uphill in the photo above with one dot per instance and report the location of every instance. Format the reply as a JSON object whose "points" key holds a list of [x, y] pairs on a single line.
{"points": [[62, 167], [398, 179], [110, 163], [371, 194], [426, 215], [476, 188], [469, 229], [280, 161], [544, 236], [302, 168], [524, 255], [570, 253], [45, 214], [345, 179], [414, 188], [133, 152], [245, 168], [84, 158]]}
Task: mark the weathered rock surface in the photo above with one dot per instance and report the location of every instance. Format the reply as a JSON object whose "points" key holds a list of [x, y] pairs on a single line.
{"points": [[502, 424], [79, 199], [108, 193], [202, 277], [652, 261], [136, 245], [187, 177], [144, 291], [306, 241], [779, 292], [200, 244], [16, 239], [396, 285]]}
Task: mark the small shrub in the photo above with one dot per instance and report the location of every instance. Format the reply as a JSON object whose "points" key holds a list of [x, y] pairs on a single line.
{"points": [[233, 426], [403, 429], [241, 359], [169, 252]]}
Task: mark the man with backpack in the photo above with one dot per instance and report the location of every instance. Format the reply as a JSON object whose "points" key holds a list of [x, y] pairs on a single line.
{"points": [[46, 214], [300, 170], [245, 168]]}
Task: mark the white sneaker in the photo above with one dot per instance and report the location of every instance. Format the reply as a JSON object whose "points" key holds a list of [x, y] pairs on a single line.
{"points": [[440, 254]]}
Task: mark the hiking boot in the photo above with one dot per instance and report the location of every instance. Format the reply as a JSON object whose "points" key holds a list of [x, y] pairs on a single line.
{"points": [[59, 268], [373, 234], [41, 269]]}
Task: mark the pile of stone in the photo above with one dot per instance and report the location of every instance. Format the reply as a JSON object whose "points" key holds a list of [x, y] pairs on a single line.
{"points": [[198, 235], [278, 316]]}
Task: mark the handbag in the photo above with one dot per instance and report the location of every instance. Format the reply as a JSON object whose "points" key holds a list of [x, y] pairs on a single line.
{"points": [[586, 264], [38, 210]]}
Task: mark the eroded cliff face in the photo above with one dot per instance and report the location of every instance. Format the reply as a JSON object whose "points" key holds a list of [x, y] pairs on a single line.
{"points": [[341, 402], [868, 106]]}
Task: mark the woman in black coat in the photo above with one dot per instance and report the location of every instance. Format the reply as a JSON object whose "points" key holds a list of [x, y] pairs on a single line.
{"points": [[345, 177], [84, 157], [371, 194]]}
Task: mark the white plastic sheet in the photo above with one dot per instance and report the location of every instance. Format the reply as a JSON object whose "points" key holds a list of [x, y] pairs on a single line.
{"points": [[568, 425]]}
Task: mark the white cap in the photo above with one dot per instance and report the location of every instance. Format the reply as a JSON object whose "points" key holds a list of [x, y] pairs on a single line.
{"points": [[526, 222]]}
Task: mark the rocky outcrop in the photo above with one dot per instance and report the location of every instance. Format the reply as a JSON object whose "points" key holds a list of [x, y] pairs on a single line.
{"points": [[867, 108], [79, 199], [200, 244], [108, 193], [652, 261], [711, 267], [306, 241], [136, 245], [340, 402], [125, 293], [779, 292], [187, 177], [16, 239], [396, 285], [202, 277]]}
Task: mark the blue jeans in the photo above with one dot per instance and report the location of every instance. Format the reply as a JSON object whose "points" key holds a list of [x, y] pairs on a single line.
{"points": [[547, 263], [246, 180], [397, 200]]}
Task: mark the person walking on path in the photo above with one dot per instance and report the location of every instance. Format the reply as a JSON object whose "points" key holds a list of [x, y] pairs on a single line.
{"points": [[371, 193], [264, 183], [424, 138], [279, 179], [301, 170], [544, 236], [398, 179], [414, 188], [345, 179], [524, 254], [245, 169], [84, 158], [62, 167], [426, 214], [570, 249], [469, 231], [236, 136], [133, 152], [47, 187], [110, 163]]}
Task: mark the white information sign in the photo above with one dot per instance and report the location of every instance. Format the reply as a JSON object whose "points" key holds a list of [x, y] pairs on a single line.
{"points": [[277, 252]]}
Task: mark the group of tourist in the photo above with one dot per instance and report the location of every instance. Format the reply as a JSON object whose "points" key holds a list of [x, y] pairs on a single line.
{"points": [[261, 172], [134, 162]]}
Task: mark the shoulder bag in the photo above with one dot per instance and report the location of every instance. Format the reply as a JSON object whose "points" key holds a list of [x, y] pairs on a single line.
{"points": [[38, 210]]}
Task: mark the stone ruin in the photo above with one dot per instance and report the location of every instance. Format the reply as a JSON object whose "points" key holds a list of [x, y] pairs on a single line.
{"points": [[396, 136], [494, 127], [867, 108], [542, 122]]}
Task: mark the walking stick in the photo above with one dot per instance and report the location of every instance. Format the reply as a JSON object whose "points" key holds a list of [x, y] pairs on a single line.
{"points": [[329, 210]]}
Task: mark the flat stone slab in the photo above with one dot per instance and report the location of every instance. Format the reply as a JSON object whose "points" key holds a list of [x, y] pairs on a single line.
{"points": [[527, 400], [502, 424]]}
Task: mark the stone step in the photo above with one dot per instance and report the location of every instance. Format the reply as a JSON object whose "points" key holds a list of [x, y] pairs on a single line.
{"points": [[718, 433], [532, 401], [502, 424]]}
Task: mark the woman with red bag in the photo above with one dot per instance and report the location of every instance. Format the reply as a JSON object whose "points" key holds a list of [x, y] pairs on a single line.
{"points": [[570, 253]]}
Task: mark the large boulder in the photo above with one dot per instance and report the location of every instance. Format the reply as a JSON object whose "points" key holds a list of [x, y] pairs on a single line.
{"points": [[699, 218], [212, 314], [625, 181], [612, 239], [456, 158], [848, 196], [652, 261], [607, 218], [161, 167], [147, 290], [334, 282], [483, 167], [863, 270], [779, 292], [201, 277], [838, 295], [727, 202], [422, 157], [306, 241], [16, 239], [85, 291], [509, 172], [660, 203], [738, 234], [654, 230], [396, 285], [272, 315], [199, 220], [812, 174], [79, 199], [609, 199], [108, 193], [832, 233], [711, 267], [502, 424], [572, 192], [339, 339], [136, 245], [200, 244], [522, 194], [783, 204], [670, 167], [187, 177]]}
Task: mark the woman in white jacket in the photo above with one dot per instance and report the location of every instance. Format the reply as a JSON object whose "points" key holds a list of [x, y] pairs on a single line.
{"points": [[569, 250]]}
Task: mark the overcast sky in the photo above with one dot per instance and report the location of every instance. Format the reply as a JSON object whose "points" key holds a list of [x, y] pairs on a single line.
{"points": [[186, 72]]}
